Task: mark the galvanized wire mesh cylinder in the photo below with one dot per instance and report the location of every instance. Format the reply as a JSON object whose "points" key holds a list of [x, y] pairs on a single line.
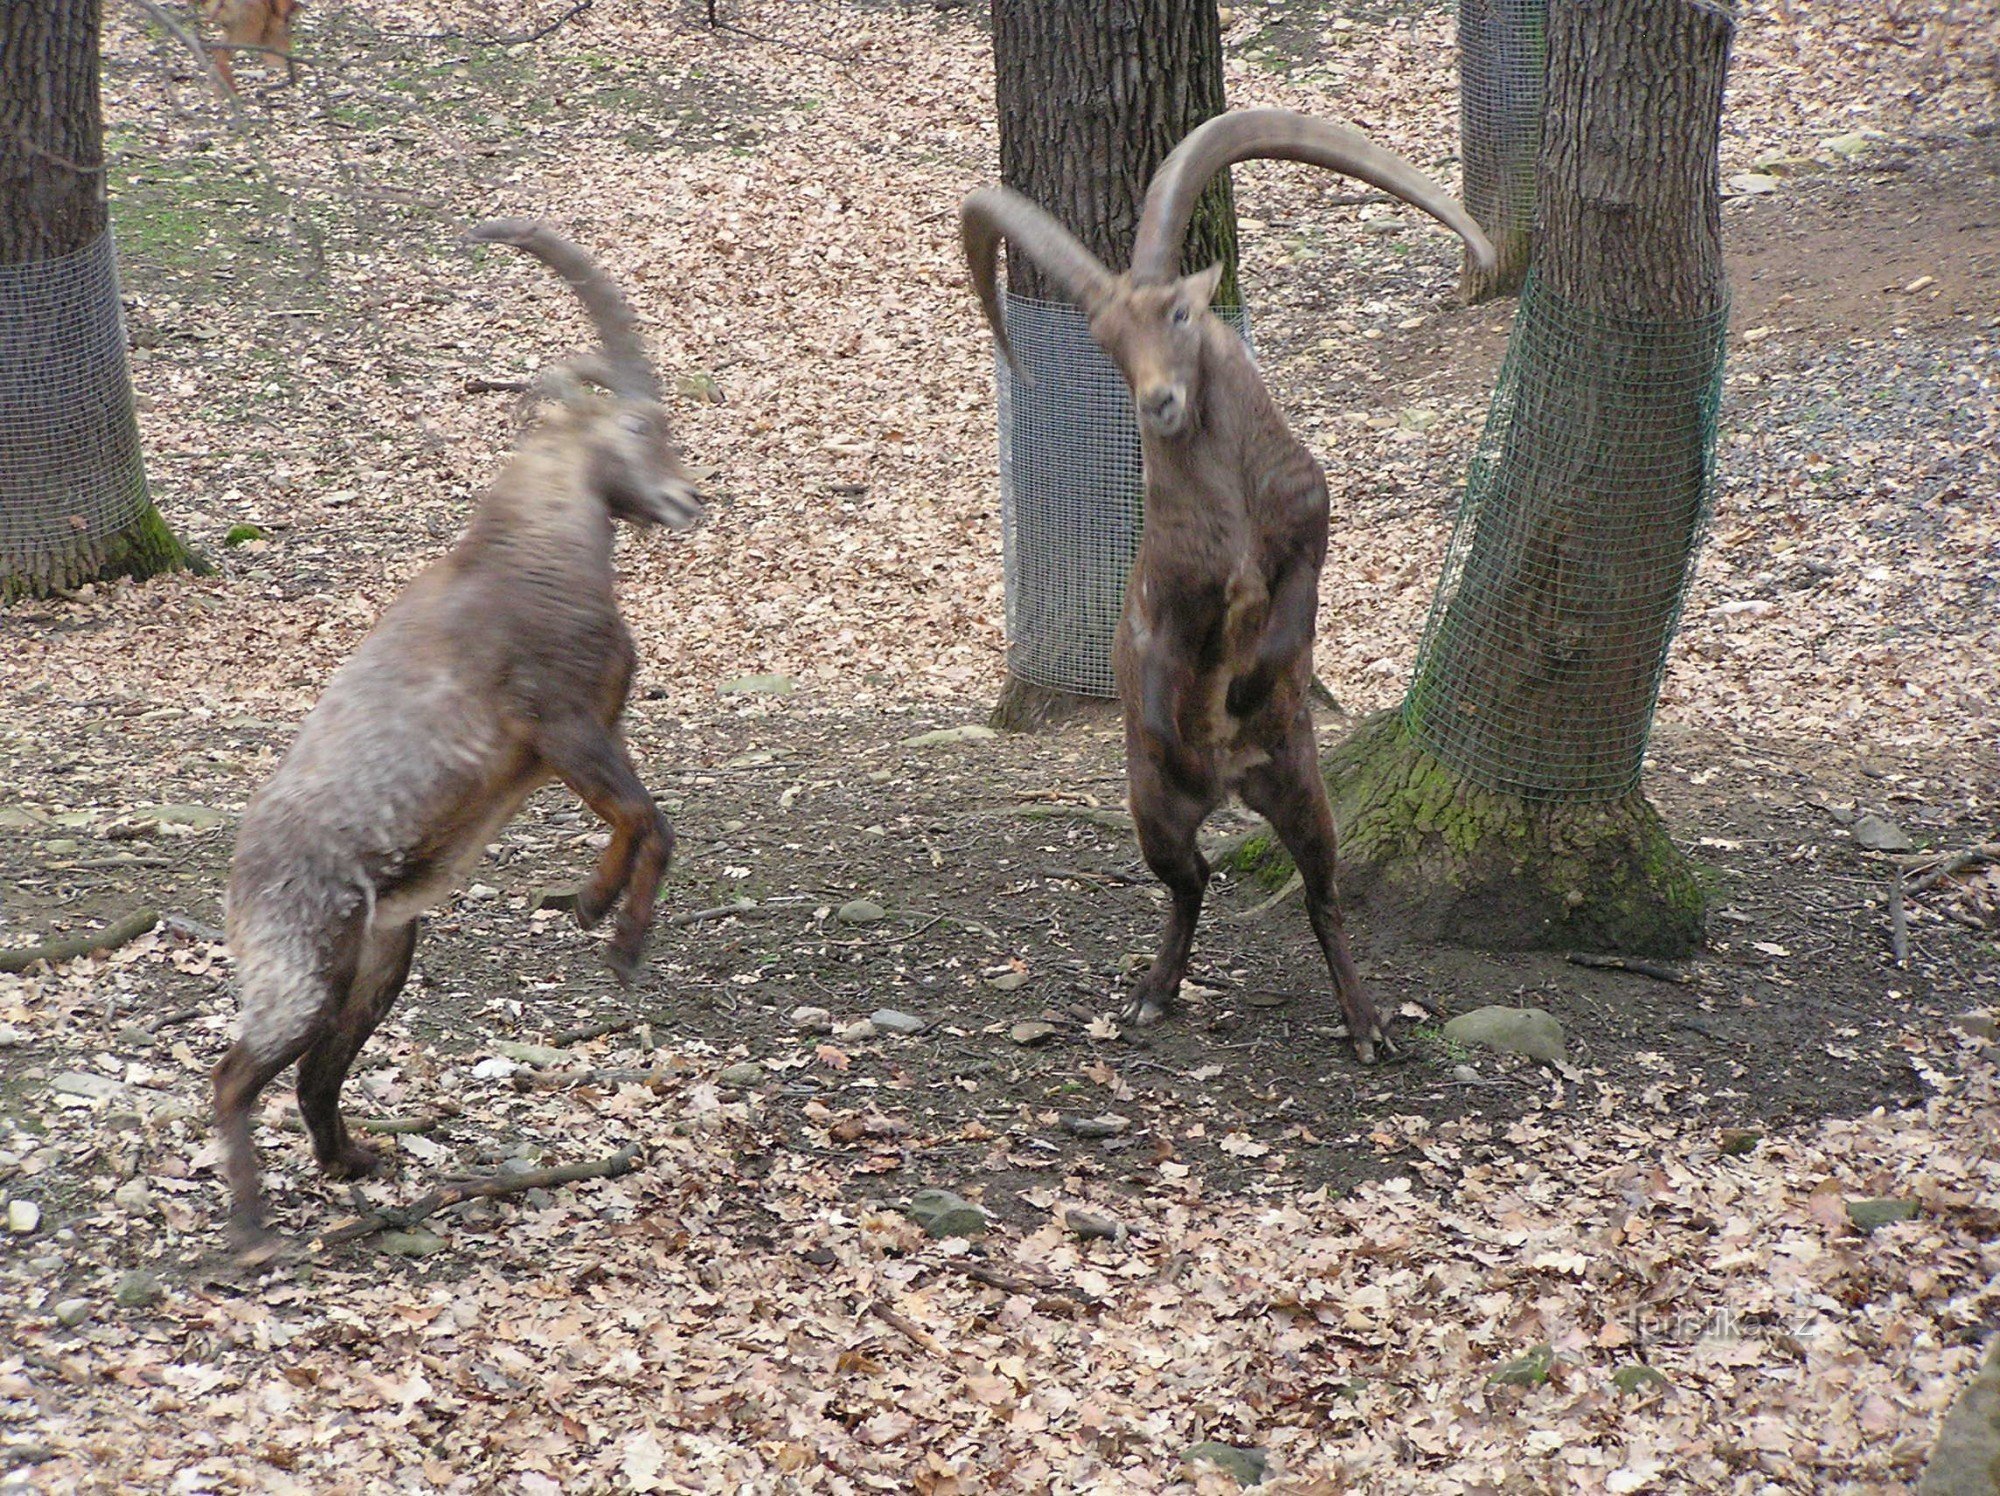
{"points": [[1503, 49], [1584, 505], [1071, 497], [70, 466]]}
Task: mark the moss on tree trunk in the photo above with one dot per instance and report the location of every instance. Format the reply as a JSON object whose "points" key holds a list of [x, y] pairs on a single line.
{"points": [[143, 548], [1439, 858]]}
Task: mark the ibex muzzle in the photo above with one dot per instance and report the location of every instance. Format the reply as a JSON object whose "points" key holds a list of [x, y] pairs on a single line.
{"points": [[504, 665], [1213, 654]]}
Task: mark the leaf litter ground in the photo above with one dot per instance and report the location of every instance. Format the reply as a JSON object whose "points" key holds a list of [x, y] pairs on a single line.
{"points": [[1325, 1263]]}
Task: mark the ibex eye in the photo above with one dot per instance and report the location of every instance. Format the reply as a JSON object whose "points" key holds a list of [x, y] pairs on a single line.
{"points": [[1180, 315], [635, 423]]}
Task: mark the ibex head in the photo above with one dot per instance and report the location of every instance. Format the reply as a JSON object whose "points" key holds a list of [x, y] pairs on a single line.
{"points": [[1150, 322], [634, 462]]}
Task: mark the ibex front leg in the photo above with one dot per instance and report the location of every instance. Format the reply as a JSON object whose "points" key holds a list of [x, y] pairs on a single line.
{"points": [[589, 758]]}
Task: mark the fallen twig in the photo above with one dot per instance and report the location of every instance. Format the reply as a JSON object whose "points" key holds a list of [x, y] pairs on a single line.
{"points": [[589, 1031], [402, 1125], [1291, 886], [55, 952], [446, 1196], [479, 384], [909, 1328], [1952, 865], [1899, 922], [168, 1020], [721, 911], [188, 929], [1097, 815], [1047, 1291], [1659, 971]]}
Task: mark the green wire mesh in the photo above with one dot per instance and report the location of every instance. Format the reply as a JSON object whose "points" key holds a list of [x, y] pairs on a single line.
{"points": [[1071, 495], [70, 467], [1585, 502], [1502, 48]]}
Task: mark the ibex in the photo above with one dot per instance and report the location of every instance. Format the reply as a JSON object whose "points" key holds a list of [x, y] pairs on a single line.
{"points": [[264, 26], [503, 666], [1213, 652]]}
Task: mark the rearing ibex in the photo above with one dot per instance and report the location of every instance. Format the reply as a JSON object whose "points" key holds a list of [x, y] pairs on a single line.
{"points": [[504, 665], [1213, 654]]}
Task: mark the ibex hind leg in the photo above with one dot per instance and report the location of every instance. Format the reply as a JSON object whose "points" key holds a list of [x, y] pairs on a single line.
{"points": [[1289, 793], [1167, 817], [379, 975], [292, 988]]}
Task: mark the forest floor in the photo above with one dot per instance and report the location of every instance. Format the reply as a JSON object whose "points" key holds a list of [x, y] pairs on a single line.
{"points": [[1436, 1275]]}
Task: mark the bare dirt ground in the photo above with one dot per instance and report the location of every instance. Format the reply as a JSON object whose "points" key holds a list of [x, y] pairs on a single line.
{"points": [[1325, 1263]]}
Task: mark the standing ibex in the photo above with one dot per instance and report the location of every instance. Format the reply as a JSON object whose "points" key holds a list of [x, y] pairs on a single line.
{"points": [[503, 666], [1213, 654], [262, 26]]}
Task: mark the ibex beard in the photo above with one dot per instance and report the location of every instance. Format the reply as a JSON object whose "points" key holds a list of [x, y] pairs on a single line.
{"points": [[504, 666]]}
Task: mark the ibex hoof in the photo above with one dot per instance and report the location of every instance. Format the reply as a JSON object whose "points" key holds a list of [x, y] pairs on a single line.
{"points": [[252, 1246], [1144, 1009], [354, 1161], [589, 908], [624, 964]]}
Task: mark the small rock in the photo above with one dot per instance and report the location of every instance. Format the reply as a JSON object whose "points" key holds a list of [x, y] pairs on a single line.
{"points": [[1525, 1031], [857, 1031], [1921, 283], [1875, 833], [1847, 147], [742, 1073], [941, 1214], [1007, 981], [1980, 1026], [1091, 1226], [1638, 1379], [699, 386], [1869, 1214], [59, 846], [1246, 1465], [136, 1290], [813, 1020], [1108, 1126], [1382, 226], [1032, 1031], [552, 898], [970, 733], [413, 1243], [134, 1196], [1416, 418], [23, 1217], [1787, 166], [1737, 1141], [72, 1312], [1530, 1370], [892, 1021], [238, 534], [1752, 184], [860, 912], [20, 818], [82, 1083], [201, 817], [756, 685], [478, 893], [10, 1036], [539, 1055], [131, 1036], [1467, 1074]]}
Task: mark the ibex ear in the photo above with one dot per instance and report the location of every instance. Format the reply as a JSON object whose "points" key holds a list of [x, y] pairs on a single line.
{"points": [[1204, 284]]}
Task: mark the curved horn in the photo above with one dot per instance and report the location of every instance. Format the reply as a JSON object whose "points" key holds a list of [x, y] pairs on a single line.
{"points": [[617, 328], [1281, 135], [995, 213]]}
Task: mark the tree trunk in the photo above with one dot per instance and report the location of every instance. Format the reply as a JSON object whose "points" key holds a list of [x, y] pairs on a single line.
{"points": [[73, 502], [1503, 808], [1092, 95], [1502, 50]]}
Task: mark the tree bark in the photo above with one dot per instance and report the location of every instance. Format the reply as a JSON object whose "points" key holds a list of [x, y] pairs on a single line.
{"points": [[1502, 49], [75, 515], [1503, 807], [1092, 95]]}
